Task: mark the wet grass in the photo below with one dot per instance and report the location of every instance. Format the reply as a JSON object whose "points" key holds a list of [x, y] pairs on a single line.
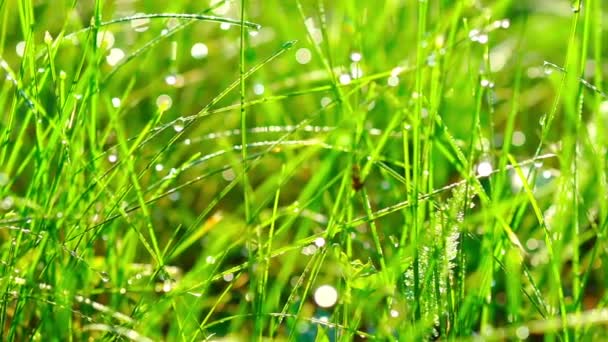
{"points": [[303, 170]]}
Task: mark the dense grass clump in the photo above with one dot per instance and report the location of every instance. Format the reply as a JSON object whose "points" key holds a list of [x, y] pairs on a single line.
{"points": [[303, 170]]}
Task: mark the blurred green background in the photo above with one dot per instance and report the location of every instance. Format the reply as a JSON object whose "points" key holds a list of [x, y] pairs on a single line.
{"points": [[530, 72]]}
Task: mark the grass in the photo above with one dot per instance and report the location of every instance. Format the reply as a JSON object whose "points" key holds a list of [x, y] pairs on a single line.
{"points": [[303, 170]]}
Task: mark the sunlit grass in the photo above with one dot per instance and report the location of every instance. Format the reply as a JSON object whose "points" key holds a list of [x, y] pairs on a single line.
{"points": [[303, 170]]}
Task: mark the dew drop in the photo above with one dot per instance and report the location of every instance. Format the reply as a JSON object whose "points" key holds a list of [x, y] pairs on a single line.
{"points": [[519, 138], [105, 40], [7, 203], [309, 250], [178, 126], [320, 242], [140, 25], [476, 35], [170, 80], [115, 102], [303, 56], [431, 60], [115, 56], [199, 51], [393, 81], [20, 48], [112, 158], [356, 56], [258, 89], [484, 169], [48, 38], [543, 120], [228, 175], [522, 332], [345, 79], [316, 35], [159, 167], [547, 68], [104, 276], [356, 71], [487, 83], [473, 34], [326, 296], [174, 196], [325, 101], [164, 102], [482, 39]]}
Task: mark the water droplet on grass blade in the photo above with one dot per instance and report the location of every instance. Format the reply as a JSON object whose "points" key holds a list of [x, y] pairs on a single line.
{"points": [[320, 242], [258, 89], [105, 40], [105, 277], [48, 38], [344, 79], [519, 138], [393, 81], [478, 36], [115, 56], [170, 80], [7, 203], [326, 296], [20, 48], [356, 71], [199, 51], [164, 102], [325, 101], [228, 175], [548, 68], [522, 332], [484, 169], [140, 24], [178, 126], [303, 56]]}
